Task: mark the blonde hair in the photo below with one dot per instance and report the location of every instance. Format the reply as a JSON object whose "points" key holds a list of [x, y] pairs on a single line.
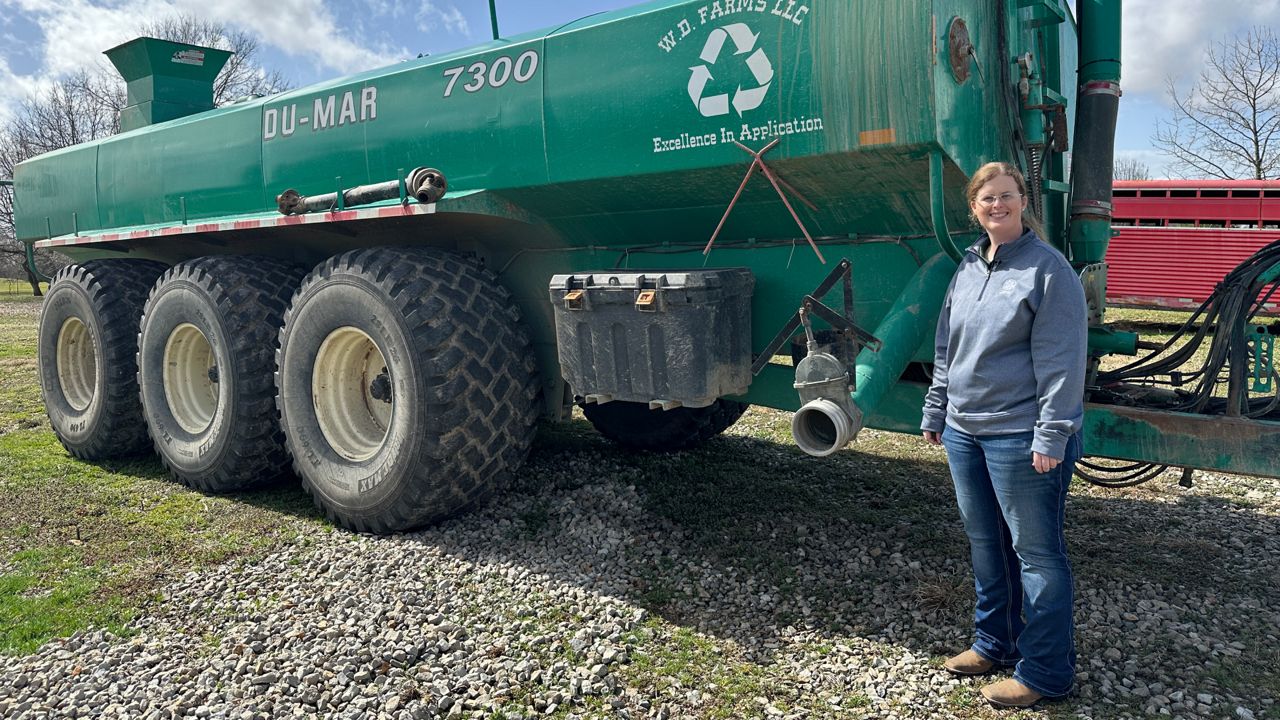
{"points": [[991, 171]]}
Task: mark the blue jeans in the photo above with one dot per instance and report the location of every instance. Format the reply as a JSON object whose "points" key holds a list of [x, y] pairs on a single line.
{"points": [[1014, 517]]}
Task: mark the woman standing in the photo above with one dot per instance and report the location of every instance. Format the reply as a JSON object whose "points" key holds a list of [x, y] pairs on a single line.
{"points": [[1007, 402]]}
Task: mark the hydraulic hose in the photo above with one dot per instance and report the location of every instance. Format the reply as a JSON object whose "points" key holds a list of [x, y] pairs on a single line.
{"points": [[1097, 105]]}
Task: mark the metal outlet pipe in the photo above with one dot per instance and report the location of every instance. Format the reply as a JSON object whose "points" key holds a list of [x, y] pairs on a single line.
{"points": [[1097, 106], [832, 416], [426, 185], [909, 324], [822, 427], [828, 420]]}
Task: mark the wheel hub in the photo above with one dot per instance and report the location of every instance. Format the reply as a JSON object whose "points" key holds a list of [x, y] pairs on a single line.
{"points": [[77, 363], [352, 393], [190, 378], [380, 388]]}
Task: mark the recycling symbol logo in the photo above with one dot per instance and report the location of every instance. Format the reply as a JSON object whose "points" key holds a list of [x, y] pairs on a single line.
{"points": [[744, 99]]}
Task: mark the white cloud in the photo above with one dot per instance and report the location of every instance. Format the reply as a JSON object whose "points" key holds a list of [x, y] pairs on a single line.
{"points": [[301, 28], [1169, 38], [75, 32], [388, 8], [432, 15], [14, 88]]}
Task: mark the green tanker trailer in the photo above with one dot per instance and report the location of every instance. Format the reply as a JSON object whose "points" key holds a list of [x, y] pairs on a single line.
{"points": [[663, 214]]}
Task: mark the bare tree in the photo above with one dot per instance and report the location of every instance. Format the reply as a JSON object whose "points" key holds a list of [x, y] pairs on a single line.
{"points": [[86, 106], [1130, 169], [1228, 124]]}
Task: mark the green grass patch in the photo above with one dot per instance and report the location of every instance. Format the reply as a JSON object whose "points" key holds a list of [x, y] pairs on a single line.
{"points": [[1255, 668], [48, 590], [88, 544], [19, 291], [1134, 319], [965, 697], [20, 403], [682, 659], [18, 322]]}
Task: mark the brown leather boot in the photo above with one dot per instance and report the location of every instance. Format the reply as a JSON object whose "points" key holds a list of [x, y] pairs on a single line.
{"points": [[968, 663], [1010, 693]]}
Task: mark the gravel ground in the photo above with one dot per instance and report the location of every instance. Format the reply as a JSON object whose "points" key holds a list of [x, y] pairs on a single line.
{"points": [[739, 581]]}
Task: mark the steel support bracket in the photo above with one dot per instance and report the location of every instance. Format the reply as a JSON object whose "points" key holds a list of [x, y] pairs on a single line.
{"points": [[782, 187], [31, 262], [1056, 186], [842, 322], [814, 306]]}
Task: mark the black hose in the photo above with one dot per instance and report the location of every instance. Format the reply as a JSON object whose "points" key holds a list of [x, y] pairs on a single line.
{"points": [[1119, 476], [1231, 309]]}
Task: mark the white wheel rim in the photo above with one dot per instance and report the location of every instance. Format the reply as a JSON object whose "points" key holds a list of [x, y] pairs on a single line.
{"points": [[353, 421], [77, 363], [189, 390]]}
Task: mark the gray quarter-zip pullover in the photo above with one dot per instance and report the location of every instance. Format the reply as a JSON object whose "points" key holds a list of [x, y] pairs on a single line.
{"points": [[1010, 347]]}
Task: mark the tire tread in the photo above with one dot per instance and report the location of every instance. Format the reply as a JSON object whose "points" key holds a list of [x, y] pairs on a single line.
{"points": [[117, 290], [477, 369], [251, 294]]}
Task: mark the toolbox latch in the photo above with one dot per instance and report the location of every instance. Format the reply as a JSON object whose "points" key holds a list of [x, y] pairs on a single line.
{"points": [[647, 301], [573, 300]]}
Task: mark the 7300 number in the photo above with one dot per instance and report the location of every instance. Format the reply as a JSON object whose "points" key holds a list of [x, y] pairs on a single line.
{"points": [[481, 74]]}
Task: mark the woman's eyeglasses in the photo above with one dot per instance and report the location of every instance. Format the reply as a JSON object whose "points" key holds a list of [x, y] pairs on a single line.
{"points": [[1006, 198]]}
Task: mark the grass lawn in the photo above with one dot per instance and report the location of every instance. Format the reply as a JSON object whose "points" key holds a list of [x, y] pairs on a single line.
{"points": [[86, 544]]}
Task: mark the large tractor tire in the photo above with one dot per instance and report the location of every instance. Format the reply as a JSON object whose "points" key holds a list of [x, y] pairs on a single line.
{"points": [[86, 350], [206, 362], [406, 387], [634, 426]]}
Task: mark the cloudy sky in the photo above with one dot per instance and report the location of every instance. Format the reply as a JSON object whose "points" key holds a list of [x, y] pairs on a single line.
{"points": [[317, 39]]}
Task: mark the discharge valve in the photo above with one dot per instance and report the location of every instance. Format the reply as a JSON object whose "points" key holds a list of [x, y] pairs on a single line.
{"points": [[828, 419]]}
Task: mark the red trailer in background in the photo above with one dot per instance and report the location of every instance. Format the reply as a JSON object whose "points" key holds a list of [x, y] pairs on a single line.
{"points": [[1175, 239]]}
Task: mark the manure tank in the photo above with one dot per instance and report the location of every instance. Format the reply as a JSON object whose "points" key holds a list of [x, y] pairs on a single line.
{"points": [[662, 214]]}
